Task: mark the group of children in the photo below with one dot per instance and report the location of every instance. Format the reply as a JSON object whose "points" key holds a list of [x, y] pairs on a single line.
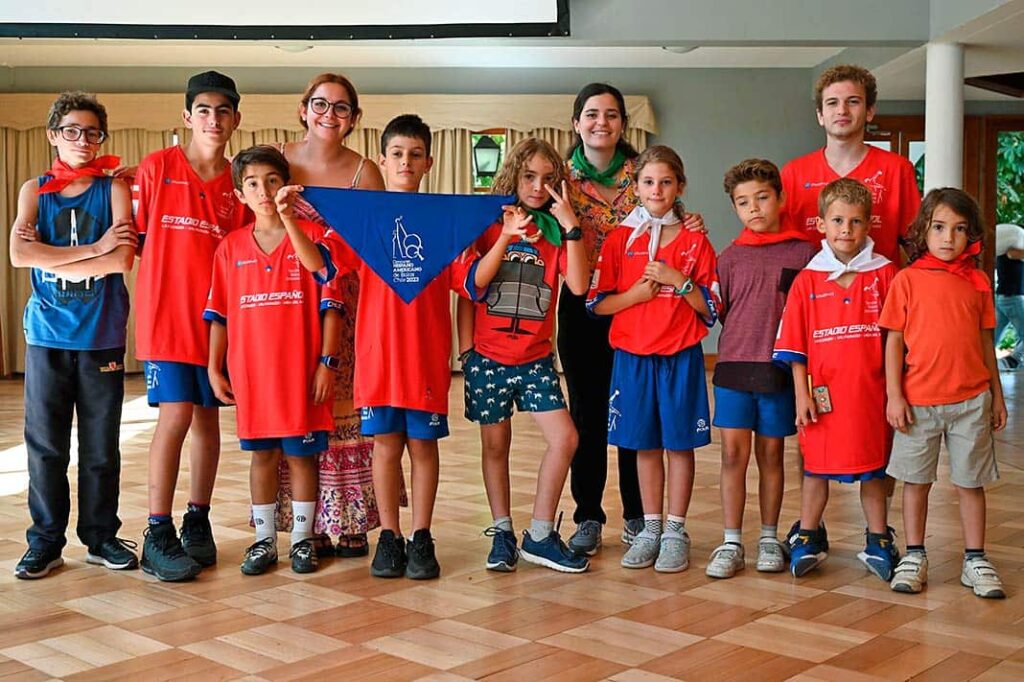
{"points": [[832, 340]]}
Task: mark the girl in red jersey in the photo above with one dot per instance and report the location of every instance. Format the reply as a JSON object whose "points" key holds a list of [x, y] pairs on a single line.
{"points": [[943, 382], [658, 282]]}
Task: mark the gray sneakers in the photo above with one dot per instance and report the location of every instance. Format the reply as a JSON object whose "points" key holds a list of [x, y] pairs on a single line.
{"points": [[674, 552], [643, 552], [630, 529], [726, 561], [587, 538]]}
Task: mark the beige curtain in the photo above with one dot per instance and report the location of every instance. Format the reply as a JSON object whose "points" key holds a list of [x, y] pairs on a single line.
{"points": [[26, 154]]}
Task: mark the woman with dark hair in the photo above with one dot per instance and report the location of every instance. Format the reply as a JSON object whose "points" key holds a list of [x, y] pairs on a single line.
{"points": [[600, 170]]}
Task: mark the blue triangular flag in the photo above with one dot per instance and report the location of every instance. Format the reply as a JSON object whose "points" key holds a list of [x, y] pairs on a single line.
{"points": [[407, 238]]}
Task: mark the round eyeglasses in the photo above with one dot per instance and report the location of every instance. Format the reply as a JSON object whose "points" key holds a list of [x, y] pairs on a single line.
{"points": [[74, 134], [319, 105]]}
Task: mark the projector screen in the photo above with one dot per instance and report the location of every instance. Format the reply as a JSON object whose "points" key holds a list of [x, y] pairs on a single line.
{"points": [[268, 20]]}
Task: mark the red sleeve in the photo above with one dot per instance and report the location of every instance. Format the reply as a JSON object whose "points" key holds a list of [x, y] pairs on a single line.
{"points": [[910, 197], [216, 302], [988, 311], [461, 275], [791, 342], [343, 258], [705, 273], [141, 195], [789, 188], [894, 310]]}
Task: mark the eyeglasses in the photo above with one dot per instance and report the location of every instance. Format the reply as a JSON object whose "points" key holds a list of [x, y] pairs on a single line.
{"points": [[319, 105], [74, 134]]}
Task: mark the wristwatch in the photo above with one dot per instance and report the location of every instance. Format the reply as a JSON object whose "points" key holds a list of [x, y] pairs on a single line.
{"points": [[573, 235], [331, 362], [685, 288]]}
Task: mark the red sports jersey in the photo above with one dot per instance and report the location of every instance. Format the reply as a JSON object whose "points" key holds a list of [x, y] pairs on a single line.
{"points": [[403, 349], [514, 322], [271, 306], [894, 195], [835, 332], [182, 220], [666, 324]]}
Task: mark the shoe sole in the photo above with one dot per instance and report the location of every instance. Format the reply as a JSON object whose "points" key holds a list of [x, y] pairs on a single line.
{"points": [[867, 560], [203, 561], [97, 560], [772, 568], [671, 569], [995, 593], [904, 588], [586, 552], [808, 564], [190, 575], [548, 563], [386, 574], [646, 564], [501, 567], [301, 570], [423, 576], [25, 575], [721, 575]]}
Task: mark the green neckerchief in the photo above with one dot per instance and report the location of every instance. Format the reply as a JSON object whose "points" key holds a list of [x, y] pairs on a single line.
{"points": [[587, 170], [548, 226]]}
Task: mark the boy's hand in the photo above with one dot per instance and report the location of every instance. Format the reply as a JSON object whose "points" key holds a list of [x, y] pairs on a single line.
{"points": [[514, 221], [694, 222], [285, 199], [901, 417], [26, 232], [119, 234], [323, 384], [561, 209], [643, 290], [806, 410], [221, 388], [663, 274], [998, 413]]}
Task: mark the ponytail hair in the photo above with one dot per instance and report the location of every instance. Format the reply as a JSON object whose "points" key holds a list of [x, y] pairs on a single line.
{"points": [[593, 90]]}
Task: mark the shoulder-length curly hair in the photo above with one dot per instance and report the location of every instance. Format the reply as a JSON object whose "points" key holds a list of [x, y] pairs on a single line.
{"points": [[956, 200], [507, 179]]}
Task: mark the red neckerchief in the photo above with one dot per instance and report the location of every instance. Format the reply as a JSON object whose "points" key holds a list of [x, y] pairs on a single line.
{"points": [[962, 266], [63, 175], [749, 237]]}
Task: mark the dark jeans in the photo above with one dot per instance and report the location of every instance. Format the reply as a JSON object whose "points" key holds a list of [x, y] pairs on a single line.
{"points": [[59, 383], [587, 362]]}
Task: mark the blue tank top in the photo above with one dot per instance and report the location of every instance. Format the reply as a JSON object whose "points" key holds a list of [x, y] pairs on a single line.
{"points": [[72, 314]]}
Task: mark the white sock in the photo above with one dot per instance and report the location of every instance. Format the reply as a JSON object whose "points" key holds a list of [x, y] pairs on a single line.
{"points": [[504, 523], [302, 525], [734, 535], [769, 531], [263, 519]]}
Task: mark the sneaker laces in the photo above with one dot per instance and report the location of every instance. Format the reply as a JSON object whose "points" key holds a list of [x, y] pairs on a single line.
{"points": [[127, 544], [505, 537], [303, 549], [422, 548], [33, 554], [389, 551], [196, 527], [260, 548], [166, 542]]}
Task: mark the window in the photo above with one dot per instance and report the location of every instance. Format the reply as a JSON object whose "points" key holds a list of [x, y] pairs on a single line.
{"points": [[488, 152]]}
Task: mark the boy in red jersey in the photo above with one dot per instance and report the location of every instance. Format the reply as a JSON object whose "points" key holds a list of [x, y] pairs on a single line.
{"points": [[402, 373], [830, 337], [184, 205], [844, 97], [264, 316]]}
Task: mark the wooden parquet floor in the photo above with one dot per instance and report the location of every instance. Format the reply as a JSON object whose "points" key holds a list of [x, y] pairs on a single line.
{"points": [[87, 623]]}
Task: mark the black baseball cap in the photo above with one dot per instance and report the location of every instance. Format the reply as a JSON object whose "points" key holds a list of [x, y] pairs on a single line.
{"points": [[211, 81]]}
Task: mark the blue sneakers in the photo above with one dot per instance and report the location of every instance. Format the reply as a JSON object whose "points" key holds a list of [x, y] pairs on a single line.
{"points": [[880, 554], [504, 556], [552, 553], [795, 528], [807, 552]]}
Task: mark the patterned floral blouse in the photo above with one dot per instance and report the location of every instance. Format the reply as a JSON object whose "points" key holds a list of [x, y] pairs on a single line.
{"points": [[598, 217]]}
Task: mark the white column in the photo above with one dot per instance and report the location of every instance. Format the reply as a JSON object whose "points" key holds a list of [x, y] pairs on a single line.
{"points": [[944, 116]]}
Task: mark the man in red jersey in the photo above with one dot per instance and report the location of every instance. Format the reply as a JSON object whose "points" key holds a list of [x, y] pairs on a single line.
{"points": [[845, 97], [184, 206]]}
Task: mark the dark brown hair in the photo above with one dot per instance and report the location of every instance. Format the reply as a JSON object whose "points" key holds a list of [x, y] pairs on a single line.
{"points": [[338, 79], [846, 72], [956, 200], [77, 100], [659, 153], [848, 191], [406, 125], [260, 154], [593, 90], [750, 170]]}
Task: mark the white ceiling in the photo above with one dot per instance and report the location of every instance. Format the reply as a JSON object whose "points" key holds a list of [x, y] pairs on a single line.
{"points": [[496, 54]]}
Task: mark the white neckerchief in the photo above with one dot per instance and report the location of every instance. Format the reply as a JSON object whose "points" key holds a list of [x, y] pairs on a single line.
{"points": [[865, 261], [642, 221]]}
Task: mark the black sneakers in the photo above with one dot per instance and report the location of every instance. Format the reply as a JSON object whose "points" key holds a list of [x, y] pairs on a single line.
{"points": [[422, 564], [197, 538], [115, 553], [389, 559], [164, 557], [38, 562], [303, 556]]}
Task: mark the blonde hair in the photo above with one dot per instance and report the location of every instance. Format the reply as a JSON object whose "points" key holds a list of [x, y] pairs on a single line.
{"points": [[846, 190], [507, 179], [659, 153]]}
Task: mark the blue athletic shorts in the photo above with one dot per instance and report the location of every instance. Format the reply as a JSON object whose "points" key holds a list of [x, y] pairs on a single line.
{"points": [[294, 446], [178, 382], [767, 414], [491, 388], [659, 401], [416, 424]]}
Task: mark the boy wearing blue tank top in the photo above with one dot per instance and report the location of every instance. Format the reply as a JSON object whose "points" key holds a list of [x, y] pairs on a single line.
{"points": [[74, 229]]}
